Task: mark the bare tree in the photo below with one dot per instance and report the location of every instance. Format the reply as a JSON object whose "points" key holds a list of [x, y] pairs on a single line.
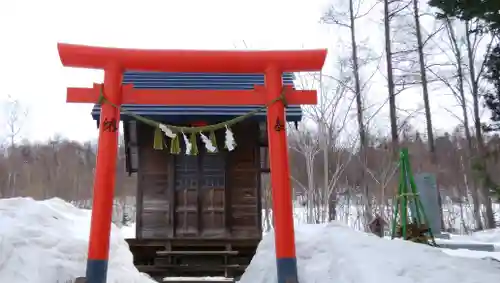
{"points": [[15, 115], [306, 143], [348, 19], [474, 80], [388, 14], [456, 84], [423, 76], [335, 17]]}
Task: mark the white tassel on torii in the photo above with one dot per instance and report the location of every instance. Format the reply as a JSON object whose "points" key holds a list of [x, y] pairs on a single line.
{"points": [[166, 130], [208, 143], [189, 146], [230, 142]]}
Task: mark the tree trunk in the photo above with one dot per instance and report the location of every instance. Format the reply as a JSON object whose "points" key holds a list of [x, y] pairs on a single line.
{"points": [[328, 194], [463, 105], [490, 219], [359, 104], [357, 83], [425, 93], [390, 80], [423, 75]]}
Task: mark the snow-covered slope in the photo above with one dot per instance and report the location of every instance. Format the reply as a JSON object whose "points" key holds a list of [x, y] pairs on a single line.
{"points": [[336, 253], [46, 242], [491, 237], [128, 232]]}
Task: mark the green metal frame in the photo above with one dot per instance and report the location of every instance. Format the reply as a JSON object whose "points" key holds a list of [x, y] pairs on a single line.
{"points": [[408, 195]]}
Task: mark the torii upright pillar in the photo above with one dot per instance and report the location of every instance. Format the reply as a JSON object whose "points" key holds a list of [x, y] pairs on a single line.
{"points": [[114, 61]]}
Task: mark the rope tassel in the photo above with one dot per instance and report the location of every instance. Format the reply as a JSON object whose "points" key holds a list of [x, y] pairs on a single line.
{"points": [[158, 140], [175, 147], [213, 140], [194, 144]]}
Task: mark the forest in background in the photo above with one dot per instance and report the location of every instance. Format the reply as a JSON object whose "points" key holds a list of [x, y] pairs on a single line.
{"points": [[359, 125]]}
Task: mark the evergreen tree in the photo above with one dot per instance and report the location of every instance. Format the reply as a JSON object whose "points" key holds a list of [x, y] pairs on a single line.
{"points": [[492, 98], [485, 12]]}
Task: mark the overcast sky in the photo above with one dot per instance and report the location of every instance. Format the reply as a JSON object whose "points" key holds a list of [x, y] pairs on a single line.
{"points": [[31, 72]]}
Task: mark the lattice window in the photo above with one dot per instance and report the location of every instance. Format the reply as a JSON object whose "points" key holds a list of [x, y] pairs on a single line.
{"points": [[214, 171], [186, 172], [209, 168]]}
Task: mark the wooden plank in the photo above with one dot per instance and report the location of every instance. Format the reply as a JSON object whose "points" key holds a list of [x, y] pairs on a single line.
{"points": [[194, 242], [256, 154], [208, 267], [227, 196], [197, 252], [171, 196], [139, 201], [199, 208], [244, 184], [196, 280], [153, 185]]}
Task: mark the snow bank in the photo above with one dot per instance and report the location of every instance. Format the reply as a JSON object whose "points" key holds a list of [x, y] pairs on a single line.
{"points": [[491, 236], [46, 242], [336, 253], [128, 231], [473, 254]]}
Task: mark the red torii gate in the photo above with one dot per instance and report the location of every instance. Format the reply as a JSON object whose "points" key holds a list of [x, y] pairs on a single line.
{"points": [[114, 61]]}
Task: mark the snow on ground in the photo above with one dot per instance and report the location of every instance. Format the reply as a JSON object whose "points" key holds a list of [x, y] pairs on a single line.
{"points": [[491, 236], [46, 242], [483, 237], [336, 253], [190, 279], [473, 254], [128, 231]]}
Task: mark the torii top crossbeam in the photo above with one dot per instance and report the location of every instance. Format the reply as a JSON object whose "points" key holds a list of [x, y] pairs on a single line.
{"points": [[203, 61]]}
